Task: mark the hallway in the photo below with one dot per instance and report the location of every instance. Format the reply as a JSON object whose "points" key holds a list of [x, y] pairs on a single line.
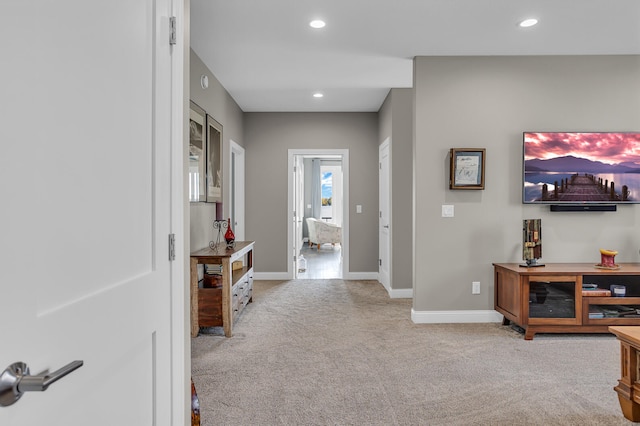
{"points": [[322, 264]]}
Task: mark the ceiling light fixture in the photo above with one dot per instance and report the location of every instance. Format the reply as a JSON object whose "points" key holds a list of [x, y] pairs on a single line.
{"points": [[528, 23], [318, 95], [317, 23]]}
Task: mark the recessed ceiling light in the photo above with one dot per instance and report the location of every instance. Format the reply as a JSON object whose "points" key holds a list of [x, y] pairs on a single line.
{"points": [[528, 22], [317, 23], [318, 95]]}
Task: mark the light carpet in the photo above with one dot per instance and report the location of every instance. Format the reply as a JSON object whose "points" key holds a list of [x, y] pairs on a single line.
{"points": [[337, 352]]}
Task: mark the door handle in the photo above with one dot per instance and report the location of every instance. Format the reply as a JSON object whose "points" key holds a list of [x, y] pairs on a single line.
{"points": [[386, 226], [15, 380]]}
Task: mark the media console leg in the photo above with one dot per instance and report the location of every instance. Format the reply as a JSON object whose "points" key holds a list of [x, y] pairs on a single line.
{"points": [[505, 321], [528, 334]]}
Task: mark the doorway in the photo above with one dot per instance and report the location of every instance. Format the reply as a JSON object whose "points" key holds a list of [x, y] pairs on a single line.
{"points": [[237, 189], [328, 185]]}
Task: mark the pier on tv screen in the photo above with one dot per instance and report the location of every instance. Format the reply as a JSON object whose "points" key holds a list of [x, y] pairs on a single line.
{"points": [[581, 167]]}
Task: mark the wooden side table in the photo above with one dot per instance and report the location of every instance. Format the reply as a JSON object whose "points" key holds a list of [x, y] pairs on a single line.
{"points": [[230, 278], [628, 387]]}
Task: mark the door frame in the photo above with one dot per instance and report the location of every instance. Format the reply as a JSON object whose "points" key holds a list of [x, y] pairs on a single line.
{"points": [[237, 188], [344, 154], [179, 221]]}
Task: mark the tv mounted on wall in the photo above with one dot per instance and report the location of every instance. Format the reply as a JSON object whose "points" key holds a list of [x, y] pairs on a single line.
{"points": [[581, 168]]}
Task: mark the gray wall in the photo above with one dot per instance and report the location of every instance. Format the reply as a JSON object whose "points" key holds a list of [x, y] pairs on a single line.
{"points": [[268, 136], [217, 102], [488, 102], [396, 123]]}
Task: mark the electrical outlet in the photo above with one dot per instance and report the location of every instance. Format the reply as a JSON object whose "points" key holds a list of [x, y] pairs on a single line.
{"points": [[475, 287]]}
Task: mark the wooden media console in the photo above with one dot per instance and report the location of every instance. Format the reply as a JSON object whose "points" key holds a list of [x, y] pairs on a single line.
{"points": [[549, 299]]}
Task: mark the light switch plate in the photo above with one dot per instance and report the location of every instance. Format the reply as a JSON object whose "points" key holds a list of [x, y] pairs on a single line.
{"points": [[358, 208], [447, 210]]}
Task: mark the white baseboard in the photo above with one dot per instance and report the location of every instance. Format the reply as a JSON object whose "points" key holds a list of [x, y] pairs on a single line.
{"points": [[400, 293], [278, 276], [271, 276], [450, 317], [361, 276]]}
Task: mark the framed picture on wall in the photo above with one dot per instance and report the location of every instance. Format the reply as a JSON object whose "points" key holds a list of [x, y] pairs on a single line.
{"points": [[197, 151], [214, 161], [466, 169]]}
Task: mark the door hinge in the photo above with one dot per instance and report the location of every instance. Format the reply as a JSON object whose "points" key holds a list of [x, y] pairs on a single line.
{"points": [[379, 262], [172, 247], [172, 30]]}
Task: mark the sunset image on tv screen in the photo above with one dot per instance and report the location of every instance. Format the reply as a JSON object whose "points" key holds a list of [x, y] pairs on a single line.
{"points": [[581, 167]]}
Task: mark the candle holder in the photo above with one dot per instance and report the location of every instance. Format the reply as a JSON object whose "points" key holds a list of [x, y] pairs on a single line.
{"points": [[219, 225]]}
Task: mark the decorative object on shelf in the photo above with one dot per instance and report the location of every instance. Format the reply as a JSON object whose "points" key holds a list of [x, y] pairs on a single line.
{"points": [[618, 290], [608, 259], [532, 242], [466, 168], [219, 225], [229, 236]]}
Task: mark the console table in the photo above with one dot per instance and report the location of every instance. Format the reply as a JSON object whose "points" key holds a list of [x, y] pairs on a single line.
{"points": [[628, 388], [220, 306], [549, 299]]}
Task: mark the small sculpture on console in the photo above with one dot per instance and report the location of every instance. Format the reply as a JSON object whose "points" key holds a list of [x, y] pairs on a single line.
{"points": [[608, 258], [219, 225], [532, 242]]}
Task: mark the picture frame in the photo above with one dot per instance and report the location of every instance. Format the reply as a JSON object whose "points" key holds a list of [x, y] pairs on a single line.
{"points": [[214, 161], [197, 154], [466, 168]]}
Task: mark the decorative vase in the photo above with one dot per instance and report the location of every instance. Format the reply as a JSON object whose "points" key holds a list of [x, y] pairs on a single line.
{"points": [[608, 258], [229, 236]]}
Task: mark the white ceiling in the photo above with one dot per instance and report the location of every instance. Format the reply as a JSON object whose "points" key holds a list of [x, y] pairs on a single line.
{"points": [[269, 59]]}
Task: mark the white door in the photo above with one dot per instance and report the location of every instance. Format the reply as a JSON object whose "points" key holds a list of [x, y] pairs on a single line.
{"points": [[384, 219], [85, 184], [298, 214], [237, 190]]}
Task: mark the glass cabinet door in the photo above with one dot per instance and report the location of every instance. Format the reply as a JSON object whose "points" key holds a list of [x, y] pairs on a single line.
{"points": [[553, 297]]}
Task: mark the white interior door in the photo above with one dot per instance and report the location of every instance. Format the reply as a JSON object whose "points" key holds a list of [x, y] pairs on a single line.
{"points": [[85, 184], [384, 275]]}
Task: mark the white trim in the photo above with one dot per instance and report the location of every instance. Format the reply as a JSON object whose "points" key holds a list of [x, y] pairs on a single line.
{"points": [[364, 276], [400, 293], [279, 276], [451, 317], [180, 292], [344, 153], [271, 276]]}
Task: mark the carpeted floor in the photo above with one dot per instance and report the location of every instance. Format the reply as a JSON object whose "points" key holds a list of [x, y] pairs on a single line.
{"points": [[335, 352]]}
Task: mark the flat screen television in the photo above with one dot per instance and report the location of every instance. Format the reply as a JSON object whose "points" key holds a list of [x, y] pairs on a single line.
{"points": [[574, 168]]}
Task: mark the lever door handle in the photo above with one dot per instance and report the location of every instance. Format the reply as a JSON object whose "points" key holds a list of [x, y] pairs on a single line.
{"points": [[16, 380]]}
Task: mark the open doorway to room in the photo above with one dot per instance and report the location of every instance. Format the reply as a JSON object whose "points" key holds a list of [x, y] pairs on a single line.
{"points": [[318, 196]]}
